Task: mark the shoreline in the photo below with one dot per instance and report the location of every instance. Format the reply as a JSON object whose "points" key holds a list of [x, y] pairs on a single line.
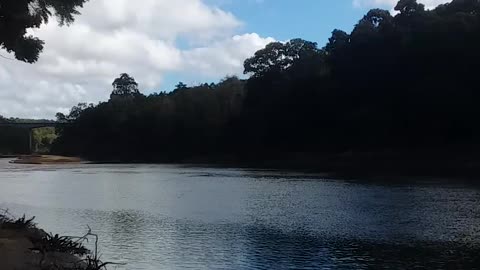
{"points": [[344, 166], [350, 165], [25, 246], [46, 159]]}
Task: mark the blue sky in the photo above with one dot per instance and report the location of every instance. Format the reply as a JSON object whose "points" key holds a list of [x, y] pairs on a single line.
{"points": [[313, 20], [282, 20]]}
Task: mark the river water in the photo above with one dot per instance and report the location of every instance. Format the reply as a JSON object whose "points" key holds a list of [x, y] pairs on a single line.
{"points": [[187, 217]]}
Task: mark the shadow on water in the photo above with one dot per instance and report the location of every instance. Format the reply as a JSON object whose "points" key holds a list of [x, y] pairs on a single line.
{"points": [[181, 244], [280, 251]]}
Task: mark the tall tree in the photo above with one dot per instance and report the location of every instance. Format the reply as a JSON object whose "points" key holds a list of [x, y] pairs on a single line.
{"points": [[16, 16], [124, 86]]}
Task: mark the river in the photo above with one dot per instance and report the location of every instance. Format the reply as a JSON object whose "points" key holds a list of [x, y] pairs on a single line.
{"points": [[189, 217]]}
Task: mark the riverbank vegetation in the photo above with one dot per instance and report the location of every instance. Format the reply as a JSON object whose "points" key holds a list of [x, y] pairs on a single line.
{"points": [[397, 85], [24, 246], [43, 139]]}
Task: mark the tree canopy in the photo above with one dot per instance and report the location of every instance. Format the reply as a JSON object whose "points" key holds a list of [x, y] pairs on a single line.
{"points": [[277, 56], [393, 83], [16, 16], [124, 86]]}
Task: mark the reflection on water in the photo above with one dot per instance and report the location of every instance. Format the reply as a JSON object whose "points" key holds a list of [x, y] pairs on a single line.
{"points": [[180, 217]]}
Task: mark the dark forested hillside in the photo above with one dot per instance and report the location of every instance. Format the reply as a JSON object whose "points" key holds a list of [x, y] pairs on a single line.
{"points": [[405, 82], [131, 126]]}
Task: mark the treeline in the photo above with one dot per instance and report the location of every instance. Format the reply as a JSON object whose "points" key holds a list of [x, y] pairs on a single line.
{"points": [[12, 140], [162, 126], [407, 81]]}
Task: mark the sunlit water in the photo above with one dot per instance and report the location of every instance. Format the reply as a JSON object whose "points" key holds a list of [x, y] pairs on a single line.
{"points": [[186, 217]]}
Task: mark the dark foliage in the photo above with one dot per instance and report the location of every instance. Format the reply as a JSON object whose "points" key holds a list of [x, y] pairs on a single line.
{"points": [[8, 222], [395, 82], [16, 16], [142, 127], [14, 140], [63, 244], [124, 87], [45, 244], [3, 119]]}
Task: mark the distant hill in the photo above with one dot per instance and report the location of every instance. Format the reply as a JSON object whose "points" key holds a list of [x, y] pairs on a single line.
{"points": [[22, 120]]}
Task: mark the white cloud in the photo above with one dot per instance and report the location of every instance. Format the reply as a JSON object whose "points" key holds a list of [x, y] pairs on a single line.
{"points": [[429, 4], [226, 55], [114, 36]]}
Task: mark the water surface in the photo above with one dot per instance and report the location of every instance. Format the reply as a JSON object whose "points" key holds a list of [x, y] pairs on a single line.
{"points": [[187, 217]]}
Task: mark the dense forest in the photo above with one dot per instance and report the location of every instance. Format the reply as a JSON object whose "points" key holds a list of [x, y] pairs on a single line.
{"points": [[12, 140], [397, 83]]}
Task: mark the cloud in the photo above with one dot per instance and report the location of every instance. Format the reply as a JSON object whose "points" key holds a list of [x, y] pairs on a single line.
{"points": [[429, 4], [143, 38], [227, 55]]}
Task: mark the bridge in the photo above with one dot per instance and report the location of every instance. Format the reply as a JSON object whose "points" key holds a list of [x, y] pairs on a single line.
{"points": [[33, 125], [30, 126]]}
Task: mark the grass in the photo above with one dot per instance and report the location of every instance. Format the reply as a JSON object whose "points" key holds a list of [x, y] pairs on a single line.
{"points": [[49, 243], [63, 244]]}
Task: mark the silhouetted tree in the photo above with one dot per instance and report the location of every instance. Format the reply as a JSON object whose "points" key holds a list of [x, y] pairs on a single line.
{"points": [[409, 7], [180, 86], [61, 117], [277, 56], [3, 119], [16, 16], [124, 86]]}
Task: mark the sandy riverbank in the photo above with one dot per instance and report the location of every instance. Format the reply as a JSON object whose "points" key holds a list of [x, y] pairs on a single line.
{"points": [[46, 159]]}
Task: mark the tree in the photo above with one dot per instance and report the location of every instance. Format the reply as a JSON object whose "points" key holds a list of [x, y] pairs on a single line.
{"points": [[278, 56], [337, 41], [375, 19], [61, 117], [74, 114], [181, 86], [124, 86], [16, 16], [409, 7]]}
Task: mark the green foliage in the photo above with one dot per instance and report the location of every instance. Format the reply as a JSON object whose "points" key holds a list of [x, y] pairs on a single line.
{"points": [[278, 57], [43, 139], [395, 82], [16, 16]]}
